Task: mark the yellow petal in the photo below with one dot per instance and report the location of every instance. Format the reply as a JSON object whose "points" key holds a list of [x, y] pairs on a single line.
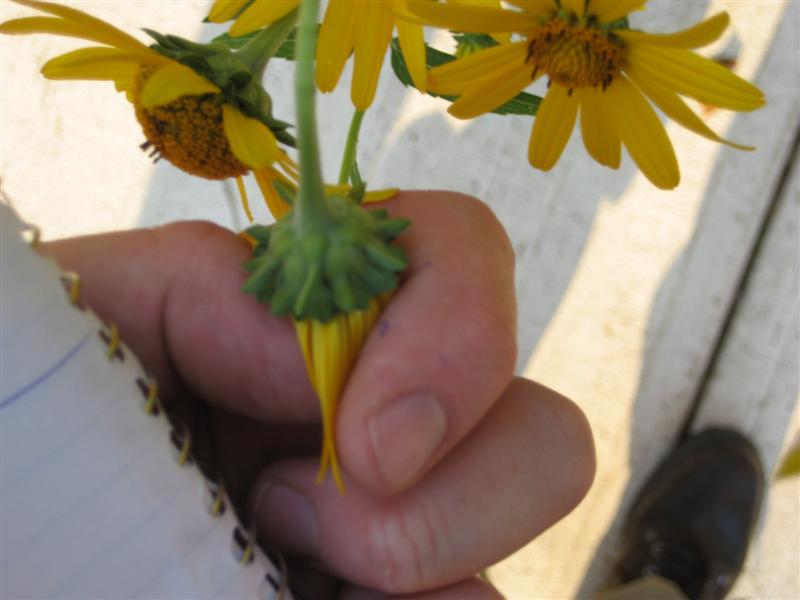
{"points": [[330, 351], [55, 26], [477, 19], [289, 167], [262, 13], [700, 35], [412, 44], [498, 88], [93, 64], [552, 127], [91, 27], [277, 206], [611, 10], [461, 74], [643, 134], [225, 10], [342, 189], [597, 127], [172, 82], [535, 7], [251, 141], [371, 42], [575, 6], [243, 196], [379, 195], [503, 38], [336, 39], [676, 109], [691, 75]]}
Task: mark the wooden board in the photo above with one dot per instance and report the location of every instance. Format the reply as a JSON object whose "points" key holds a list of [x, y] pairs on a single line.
{"points": [[754, 388]]}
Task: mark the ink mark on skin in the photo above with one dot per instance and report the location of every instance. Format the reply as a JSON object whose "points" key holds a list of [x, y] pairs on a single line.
{"points": [[383, 327]]}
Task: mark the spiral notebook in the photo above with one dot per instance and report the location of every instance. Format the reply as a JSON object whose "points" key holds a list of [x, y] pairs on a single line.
{"points": [[99, 493]]}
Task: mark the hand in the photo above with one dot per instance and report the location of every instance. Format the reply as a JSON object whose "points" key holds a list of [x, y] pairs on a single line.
{"points": [[451, 462]]}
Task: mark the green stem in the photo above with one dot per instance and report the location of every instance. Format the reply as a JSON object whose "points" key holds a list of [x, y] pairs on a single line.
{"points": [[309, 208], [349, 156], [256, 53]]}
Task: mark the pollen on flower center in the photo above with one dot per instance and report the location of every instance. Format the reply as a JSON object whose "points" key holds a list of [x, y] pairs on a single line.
{"points": [[188, 132], [575, 55]]}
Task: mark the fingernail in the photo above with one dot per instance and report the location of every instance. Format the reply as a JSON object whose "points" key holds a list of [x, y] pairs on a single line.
{"points": [[405, 434], [287, 520]]}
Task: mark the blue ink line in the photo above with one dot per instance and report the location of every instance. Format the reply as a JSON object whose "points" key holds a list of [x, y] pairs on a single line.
{"points": [[18, 394]]}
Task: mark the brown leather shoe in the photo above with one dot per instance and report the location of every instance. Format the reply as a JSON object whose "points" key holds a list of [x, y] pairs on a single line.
{"points": [[691, 523]]}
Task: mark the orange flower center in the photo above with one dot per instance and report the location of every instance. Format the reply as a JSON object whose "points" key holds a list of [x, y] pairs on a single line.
{"points": [[188, 132], [575, 55]]}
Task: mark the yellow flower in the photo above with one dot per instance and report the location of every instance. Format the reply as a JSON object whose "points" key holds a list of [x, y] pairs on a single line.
{"points": [[330, 350], [184, 116], [363, 28], [594, 67]]}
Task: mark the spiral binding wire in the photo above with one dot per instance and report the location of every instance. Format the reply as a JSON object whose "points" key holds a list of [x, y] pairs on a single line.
{"points": [[243, 542]]}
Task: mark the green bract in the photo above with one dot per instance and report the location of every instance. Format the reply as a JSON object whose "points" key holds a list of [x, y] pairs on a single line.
{"points": [[337, 266], [237, 73]]}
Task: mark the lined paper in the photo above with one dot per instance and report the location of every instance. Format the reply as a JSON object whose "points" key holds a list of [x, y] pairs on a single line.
{"points": [[93, 503]]}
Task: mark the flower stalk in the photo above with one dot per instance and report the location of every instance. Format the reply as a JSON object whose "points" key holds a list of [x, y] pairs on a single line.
{"points": [[351, 145], [309, 205]]}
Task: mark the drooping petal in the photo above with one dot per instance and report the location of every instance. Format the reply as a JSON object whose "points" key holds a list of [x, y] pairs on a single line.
{"points": [[611, 10], [598, 130], [412, 44], [552, 127], [691, 75], [105, 64], [476, 19], [91, 27], [702, 34], [330, 350], [456, 76], [371, 42], [243, 196], [336, 39], [643, 134], [676, 109], [225, 10], [259, 14], [497, 88], [56, 26], [264, 178], [172, 82], [251, 141]]}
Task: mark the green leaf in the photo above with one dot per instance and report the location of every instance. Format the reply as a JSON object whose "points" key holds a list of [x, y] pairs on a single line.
{"points": [[467, 43], [521, 104]]}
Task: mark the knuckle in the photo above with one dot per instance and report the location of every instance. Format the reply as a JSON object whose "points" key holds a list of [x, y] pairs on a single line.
{"points": [[408, 549]]}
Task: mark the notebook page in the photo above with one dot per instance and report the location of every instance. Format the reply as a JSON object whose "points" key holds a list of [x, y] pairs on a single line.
{"points": [[93, 502]]}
